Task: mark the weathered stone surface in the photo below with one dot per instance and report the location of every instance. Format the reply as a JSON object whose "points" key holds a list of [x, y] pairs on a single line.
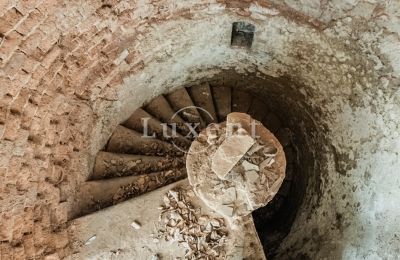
{"points": [[252, 176], [228, 178], [111, 228], [229, 153], [249, 166]]}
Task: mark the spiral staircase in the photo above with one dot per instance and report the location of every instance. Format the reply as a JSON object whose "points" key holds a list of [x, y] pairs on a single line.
{"points": [[137, 159]]}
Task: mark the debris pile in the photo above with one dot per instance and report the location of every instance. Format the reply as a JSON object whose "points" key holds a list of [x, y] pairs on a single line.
{"points": [[148, 182], [203, 237], [125, 166], [236, 167], [257, 173]]}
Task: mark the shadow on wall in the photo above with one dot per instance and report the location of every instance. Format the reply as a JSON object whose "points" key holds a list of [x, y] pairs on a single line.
{"points": [[310, 156]]}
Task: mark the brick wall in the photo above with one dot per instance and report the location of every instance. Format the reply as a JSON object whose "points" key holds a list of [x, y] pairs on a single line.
{"points": [[44, 119], [58, 59]]}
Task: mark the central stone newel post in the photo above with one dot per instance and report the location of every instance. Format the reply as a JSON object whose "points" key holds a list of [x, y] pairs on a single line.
{"points": [[236, 167]]}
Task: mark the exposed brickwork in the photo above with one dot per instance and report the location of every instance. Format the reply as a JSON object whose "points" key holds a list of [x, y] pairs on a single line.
{"points": [[40, 125], [57, 59]]}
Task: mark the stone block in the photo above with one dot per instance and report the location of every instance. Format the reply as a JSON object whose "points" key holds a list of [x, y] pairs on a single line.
{"points": [[229, 153], [14, 64], [46, 44], [30, 22], [18, 225], [61, 239], [6, 226], [6, 148], [18, 105], [249, 166], [9, 45], [5, 251], [51, 57], [8, 21], [60, 214], [18, 252], [12, 127], [25, 6], [29, 247], [251, 176], [29, 45]]}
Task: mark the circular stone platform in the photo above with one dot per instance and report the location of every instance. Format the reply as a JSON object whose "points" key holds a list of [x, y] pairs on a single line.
{"points": [[236, 167]]}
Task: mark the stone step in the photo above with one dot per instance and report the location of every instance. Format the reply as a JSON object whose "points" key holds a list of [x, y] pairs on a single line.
{"points": [[222, 101], [181, 102], [98, 194], [112, 165], [202, 97], [125, 140], [161, 109], [131, 228], [154, 127]]}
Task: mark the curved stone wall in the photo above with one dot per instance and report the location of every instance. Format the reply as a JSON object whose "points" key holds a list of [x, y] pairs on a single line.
{"points": [[71, 72]]}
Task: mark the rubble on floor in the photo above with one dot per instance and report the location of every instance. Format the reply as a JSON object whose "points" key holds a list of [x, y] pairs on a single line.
{"points": [[236, 167], [202, 236], [147, 183]]}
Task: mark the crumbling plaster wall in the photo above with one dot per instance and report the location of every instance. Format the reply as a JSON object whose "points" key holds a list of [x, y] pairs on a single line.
{"points": [[70, 72]]}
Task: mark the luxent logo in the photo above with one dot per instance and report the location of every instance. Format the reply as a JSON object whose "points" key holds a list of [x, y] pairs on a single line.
{"points": [[169, 130]]}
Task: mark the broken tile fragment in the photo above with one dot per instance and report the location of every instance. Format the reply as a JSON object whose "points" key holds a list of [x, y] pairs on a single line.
{"points": [[270, 151], [174, 195], [201, 236], [252, 176], [249, 166], [135, 225], [253, 169], [229, 153], [255, 148], [229, 195], [240, 120], [212, 137], [227, 210], [267, 163]]}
